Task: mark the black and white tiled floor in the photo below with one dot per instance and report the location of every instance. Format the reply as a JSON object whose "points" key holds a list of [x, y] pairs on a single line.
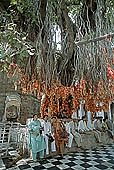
{"points": [[100, 158]]}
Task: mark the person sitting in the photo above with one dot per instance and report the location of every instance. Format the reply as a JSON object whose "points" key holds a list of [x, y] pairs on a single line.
{"points": [[90, 126], [107, 125], [74, 131], [60, 134], [82, 127], [98, 124], [95, 121], [104, 125], [68, 129], [36, 139], [48, 135]]}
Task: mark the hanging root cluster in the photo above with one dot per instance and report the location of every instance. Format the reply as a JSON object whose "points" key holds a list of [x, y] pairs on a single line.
{"points": [[59, 98], [71, 64]]}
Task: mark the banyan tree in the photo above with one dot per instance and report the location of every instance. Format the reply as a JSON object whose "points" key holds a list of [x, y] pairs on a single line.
{"points": [[61, 48]]}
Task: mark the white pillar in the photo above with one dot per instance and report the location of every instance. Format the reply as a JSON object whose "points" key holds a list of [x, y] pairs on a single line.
{"points": [[102, 113], [74, 115], [88, 115], [109, 112], [81, 111]]}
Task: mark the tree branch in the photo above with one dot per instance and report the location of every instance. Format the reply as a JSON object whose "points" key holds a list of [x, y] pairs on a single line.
{"points": [[79, 43], [69, 28], [70, 38]]}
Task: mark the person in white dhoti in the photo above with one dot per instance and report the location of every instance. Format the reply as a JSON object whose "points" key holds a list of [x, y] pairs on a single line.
{"points": [[82, 127], [48, 134], [94, 122], [107, 126], [98, 124], [74, 131], [97, 134], [109, 123], [68, 129]]}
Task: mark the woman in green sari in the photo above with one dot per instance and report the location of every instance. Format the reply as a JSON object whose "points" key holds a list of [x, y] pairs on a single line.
{"points": [[36, 139]]}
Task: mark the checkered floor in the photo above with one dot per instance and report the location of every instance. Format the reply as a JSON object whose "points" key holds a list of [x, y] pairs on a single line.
{"points": [[100, 158]]}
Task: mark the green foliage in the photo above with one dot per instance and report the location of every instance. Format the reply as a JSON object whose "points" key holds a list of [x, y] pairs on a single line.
{"points": [[14, 46], [14, 43], [13, 2], [24, 7], [110, 10]]}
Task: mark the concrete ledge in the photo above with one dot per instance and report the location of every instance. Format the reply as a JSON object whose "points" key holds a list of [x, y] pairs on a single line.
{"points": [[89, 142]]}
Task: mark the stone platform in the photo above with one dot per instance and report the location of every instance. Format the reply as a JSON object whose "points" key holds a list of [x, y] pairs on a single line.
{"points": [[89, 142]]}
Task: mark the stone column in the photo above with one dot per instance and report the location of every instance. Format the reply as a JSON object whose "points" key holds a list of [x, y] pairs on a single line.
{"points": [[109, 112], [88, 115], [74, 115], [81, 111]]}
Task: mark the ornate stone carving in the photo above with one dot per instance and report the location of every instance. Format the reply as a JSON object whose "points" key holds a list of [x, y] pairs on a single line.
{"points": [[12, 107]]}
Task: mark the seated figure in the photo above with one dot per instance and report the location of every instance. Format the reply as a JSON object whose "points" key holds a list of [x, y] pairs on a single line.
{"points": [[97, 134], [82, 127], [68, 129], [107, 126], [74, 131], [98, 124]]}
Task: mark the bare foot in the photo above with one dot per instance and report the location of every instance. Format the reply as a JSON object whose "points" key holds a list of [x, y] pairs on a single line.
{"points": [[46, 156], [41, 159], [81, 147], [62, 155], [68, 149], [53, 154]]}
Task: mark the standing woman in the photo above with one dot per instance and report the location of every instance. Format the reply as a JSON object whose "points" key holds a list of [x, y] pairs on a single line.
{"points": [[36, 139], [60, 134]]}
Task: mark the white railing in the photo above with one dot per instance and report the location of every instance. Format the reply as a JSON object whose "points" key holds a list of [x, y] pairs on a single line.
{"points": [[12, 134]]}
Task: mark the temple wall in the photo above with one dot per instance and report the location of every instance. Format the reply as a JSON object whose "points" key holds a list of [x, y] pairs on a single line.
{"points": [[29, 104]]}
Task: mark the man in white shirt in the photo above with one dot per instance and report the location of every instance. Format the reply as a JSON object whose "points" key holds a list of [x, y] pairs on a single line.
{"points": [[95, 122], [82, 127], [68, 129], [90, 126], [74, 131], [47, 134], [98, 124]]}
